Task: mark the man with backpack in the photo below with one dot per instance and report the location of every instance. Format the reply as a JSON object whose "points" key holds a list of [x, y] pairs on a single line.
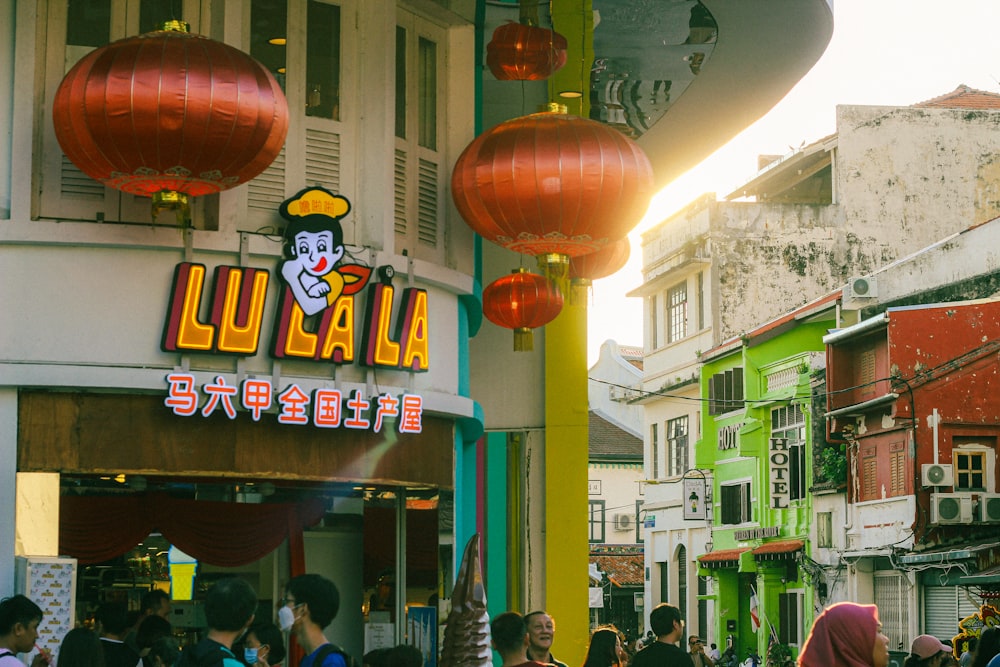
{"points": [[229, 610], [310, 604]]}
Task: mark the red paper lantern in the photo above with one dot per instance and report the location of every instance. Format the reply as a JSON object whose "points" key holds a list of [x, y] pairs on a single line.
{"points": [[552, 185], [601, 264], [520, 52], [170, 114], [521, 301]]}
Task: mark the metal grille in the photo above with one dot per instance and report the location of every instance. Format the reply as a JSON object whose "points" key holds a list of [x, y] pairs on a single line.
{"points": [[892, 600], [427, 202], [944, 607], [267, 191], [323, 159]]}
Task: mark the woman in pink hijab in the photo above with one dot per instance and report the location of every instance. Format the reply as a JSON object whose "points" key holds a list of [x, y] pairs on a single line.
{"points": [[846, 635]]}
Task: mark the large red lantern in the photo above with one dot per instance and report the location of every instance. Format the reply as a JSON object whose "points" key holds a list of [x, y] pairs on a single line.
{"points": [[520, 52], [521, 301], [552, 185], [169, 114]]}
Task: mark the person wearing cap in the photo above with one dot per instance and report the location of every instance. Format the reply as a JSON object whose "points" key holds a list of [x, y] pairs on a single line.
{"points": [[928, 651], [697, 649]]}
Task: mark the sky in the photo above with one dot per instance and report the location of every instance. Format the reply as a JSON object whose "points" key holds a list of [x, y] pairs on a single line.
{"points": [[883, 52]]}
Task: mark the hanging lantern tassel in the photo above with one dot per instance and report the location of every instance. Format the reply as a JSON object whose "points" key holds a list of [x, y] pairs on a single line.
{"points": [[524, 340], [521, 301]]}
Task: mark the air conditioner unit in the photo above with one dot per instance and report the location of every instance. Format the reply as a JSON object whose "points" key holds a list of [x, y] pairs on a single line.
{"points": [[937, 474], [951, 508], [624, 522], [988, 508], [862, 288]]}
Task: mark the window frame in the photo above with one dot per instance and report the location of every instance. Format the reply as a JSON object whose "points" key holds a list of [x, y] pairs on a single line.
{"points": [[595, 524], [677, 445], [744, 489], [676, 312]]}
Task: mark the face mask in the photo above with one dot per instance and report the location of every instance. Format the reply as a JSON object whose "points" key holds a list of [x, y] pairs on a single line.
{"points": [[250, 656], [286, 618]]}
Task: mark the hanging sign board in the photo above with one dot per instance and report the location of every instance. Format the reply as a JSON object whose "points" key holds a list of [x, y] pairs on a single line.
{"points": [[694, 498]]}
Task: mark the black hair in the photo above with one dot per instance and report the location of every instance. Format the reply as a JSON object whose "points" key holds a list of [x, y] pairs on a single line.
{"points": [[17, 609], [987, 646], [603, 649], [508, 631], [319, 593], [81, 647], [150, 629], [268, 633], [404, 655], [164, 648], [229, 604], [153, 600], [662, 618], [113, 617], [377, 657]]}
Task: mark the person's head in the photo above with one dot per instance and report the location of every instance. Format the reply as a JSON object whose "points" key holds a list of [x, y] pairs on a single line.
{"points": [[713, 646], [404, 655], [605, 648], [19, 619], [156, 603], [695, 644], [376, 658], [230, 605], [150, 629], [163, 653], [928, 651], [846, 634], [265, 639], [81, 647], [987, 646], [541, 631], [665, 619], [509, 632], [315, 595], [113, 618]]}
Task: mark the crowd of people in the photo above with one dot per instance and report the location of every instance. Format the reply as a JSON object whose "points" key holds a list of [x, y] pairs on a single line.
{"points": [[235, 637], [845, 634]]}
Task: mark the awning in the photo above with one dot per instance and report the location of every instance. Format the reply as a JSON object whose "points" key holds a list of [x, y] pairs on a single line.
{"points": [[990, 577], [778, 550], [722, 558]]}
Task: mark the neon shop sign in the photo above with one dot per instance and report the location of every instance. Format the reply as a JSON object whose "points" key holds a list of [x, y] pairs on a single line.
{"points": [[314, 320]]}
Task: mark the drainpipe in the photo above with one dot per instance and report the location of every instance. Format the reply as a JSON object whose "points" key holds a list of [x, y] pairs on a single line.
{"points": [[934, 428]]}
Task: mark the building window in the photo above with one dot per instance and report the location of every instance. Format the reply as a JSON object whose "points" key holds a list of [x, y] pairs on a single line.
{"points": [[639, 523], [654, 437], [735, 500], [789, 423], [597, 521], [790, 618], [682, 570], [701, 300], [725, 391], [654, 318], [970, 470], [869, 475], [322, 94], [677, 446], [897, 473], [677, 312]]}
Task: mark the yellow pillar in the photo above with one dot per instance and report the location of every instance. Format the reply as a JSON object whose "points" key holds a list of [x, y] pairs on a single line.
{"points": [[567, 546]]}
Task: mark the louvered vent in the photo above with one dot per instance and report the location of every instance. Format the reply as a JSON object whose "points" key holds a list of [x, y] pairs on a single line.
{"points": [[427, 203], [399, 192], [267, 191], [323, 159], [75, 183]]}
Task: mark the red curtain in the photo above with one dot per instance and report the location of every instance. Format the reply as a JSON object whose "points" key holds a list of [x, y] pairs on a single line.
{"points": [[94, 529]]}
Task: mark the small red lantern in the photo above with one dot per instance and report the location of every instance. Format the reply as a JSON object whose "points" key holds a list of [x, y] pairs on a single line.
{"points": [[169, 114], [552, 185], [585, 269], [520, 52], [521, 301]]}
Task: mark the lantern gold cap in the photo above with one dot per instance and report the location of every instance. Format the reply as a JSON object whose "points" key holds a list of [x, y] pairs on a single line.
{"points": [[176, 25], [553, 107]]}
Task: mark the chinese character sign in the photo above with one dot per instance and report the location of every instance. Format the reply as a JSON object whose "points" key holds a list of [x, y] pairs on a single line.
{"points": [[324, 408]]}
